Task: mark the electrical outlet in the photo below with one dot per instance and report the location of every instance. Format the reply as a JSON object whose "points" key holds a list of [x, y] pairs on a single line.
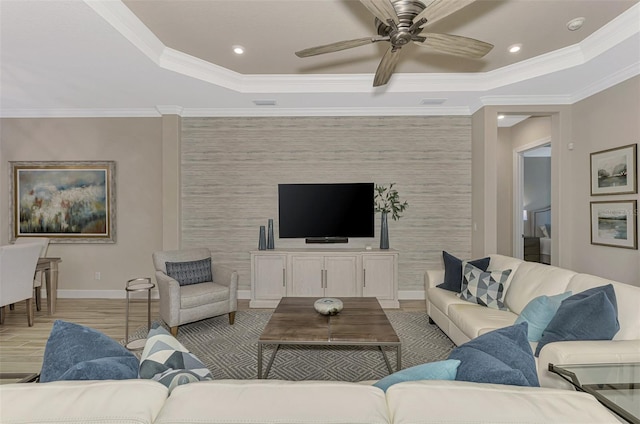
{"points": [[96, 276]]}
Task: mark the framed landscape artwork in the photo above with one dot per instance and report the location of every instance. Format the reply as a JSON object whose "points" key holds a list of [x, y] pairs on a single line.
{"points": [[615, 223], [69, 202], [614, 171]]}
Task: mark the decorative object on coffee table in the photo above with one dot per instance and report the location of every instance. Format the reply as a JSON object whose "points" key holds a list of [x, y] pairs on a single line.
{"points": [[328, 306], [387, 201]]}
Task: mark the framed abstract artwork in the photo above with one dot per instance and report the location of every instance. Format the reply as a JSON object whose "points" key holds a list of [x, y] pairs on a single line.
{"points": [[614, 171], [615, 223], [69, 202]]}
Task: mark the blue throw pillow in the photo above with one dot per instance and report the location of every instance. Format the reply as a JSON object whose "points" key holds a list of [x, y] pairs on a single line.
{"points": [[453, 271], [441, 370], [76, 352], [588, 315], [501, 356], [539, 312], [191, 272]]}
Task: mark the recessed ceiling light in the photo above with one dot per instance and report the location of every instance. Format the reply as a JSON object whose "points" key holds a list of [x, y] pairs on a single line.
{"points": [[575, 24], [238, 49], [500, 116], [515, 48]]}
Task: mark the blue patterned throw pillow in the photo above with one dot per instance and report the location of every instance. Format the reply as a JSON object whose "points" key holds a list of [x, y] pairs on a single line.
{"points": [[76, 352], [165, 360], [192, 272], [483, 287]]}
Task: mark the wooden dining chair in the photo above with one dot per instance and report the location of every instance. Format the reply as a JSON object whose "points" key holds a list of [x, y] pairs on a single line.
{"points": [[37, 279], [17, 268]]}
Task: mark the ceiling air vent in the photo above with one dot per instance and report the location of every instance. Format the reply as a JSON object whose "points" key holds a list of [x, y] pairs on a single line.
{"points": [[431, 102], [264, 102]]}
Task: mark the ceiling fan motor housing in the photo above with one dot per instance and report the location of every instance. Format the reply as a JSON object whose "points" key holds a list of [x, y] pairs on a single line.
{"points": [[406, 10]]}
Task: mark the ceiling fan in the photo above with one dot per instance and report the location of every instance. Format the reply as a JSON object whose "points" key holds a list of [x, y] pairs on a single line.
{"points": [[401, 21]]}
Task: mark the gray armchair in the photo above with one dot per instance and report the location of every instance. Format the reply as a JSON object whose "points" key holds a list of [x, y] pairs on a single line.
{"points": [[182, 304]]}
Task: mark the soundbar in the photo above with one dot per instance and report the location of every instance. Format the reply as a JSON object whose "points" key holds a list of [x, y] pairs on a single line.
{"points": [[312, 240]]}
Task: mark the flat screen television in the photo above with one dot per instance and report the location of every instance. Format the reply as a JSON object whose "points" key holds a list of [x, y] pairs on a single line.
{"points": [[326, 213]]}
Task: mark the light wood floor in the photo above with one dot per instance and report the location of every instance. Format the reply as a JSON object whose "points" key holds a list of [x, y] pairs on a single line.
{"points": [[22, 347]]}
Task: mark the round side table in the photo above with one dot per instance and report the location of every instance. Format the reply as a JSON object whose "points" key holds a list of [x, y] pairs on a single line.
{"points": [[138, 285]]}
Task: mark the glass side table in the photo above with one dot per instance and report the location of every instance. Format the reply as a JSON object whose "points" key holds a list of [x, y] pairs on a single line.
{"points": [[138, 285], [616, 386]]}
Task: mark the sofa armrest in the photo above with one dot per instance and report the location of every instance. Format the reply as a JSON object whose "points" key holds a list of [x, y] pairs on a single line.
{"points": [[433, 277], [583, 352]]}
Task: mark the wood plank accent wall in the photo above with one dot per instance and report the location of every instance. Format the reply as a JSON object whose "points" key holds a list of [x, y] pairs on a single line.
{"points": [[231, 168]]}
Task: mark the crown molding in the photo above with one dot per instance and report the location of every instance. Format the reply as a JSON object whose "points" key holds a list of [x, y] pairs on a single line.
{"points": [[80, 113], [170, 110], [364, 111], [125, 21], [609, 81]]}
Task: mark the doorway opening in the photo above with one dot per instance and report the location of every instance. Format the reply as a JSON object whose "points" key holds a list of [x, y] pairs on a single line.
{"points": [[532, 201]]}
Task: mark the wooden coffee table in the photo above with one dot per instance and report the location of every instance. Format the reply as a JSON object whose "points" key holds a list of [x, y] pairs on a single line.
{"points": [[362, 322]]}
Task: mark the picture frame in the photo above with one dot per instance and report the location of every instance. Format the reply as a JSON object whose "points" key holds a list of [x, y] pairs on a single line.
{"points": [[614, 171], [615, 223], [66, 201]]}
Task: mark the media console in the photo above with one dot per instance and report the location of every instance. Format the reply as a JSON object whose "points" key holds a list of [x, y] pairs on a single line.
{"points": [[315, 272]]}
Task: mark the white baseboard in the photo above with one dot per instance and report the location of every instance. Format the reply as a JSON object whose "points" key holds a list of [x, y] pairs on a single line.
{"points": [[242, 294], [411, 295]]}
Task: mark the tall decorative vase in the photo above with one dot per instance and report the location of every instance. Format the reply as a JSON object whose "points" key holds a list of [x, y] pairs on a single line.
{"points": [[262, 240], [384, 231], [270, 241]]}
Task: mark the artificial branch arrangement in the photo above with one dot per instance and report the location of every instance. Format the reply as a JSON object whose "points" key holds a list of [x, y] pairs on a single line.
{"points": [[387, 200]]}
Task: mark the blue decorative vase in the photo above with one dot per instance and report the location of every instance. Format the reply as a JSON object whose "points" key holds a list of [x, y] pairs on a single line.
{"points": [[270, 241], [262, 241], [384, 231]]}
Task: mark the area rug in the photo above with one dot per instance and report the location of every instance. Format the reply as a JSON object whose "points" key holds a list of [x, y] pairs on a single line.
{"points": [[231, 351]]}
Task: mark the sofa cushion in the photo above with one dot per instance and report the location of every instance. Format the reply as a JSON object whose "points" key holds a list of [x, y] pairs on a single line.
{"points": [[588, 315], [539, 312], [475, 320], [483, 287], [195, 295], [82, 402], [454, 402], [501, 356], [190, 272], [275, 401], [533, 279], [441, 370], [166, 360], [453, 271], [76, 352]]}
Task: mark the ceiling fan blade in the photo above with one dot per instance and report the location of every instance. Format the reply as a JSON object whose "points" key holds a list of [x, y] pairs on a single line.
{"points": [[381, 9], [439, 9], [456, 44], [386, 67], [334, 47]]}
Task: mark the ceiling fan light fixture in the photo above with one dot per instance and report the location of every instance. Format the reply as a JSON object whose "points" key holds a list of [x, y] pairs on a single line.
{"points": [[575, 24], [515, 48], [238, 49]]}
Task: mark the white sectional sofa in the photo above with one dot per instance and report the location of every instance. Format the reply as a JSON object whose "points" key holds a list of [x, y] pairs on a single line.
{"points": [[462, 321], [285, 402]]}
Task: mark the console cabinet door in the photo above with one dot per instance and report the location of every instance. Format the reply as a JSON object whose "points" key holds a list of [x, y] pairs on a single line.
{"points": [[307, 276], [378, 276], [341, 276], [269, 276]]}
